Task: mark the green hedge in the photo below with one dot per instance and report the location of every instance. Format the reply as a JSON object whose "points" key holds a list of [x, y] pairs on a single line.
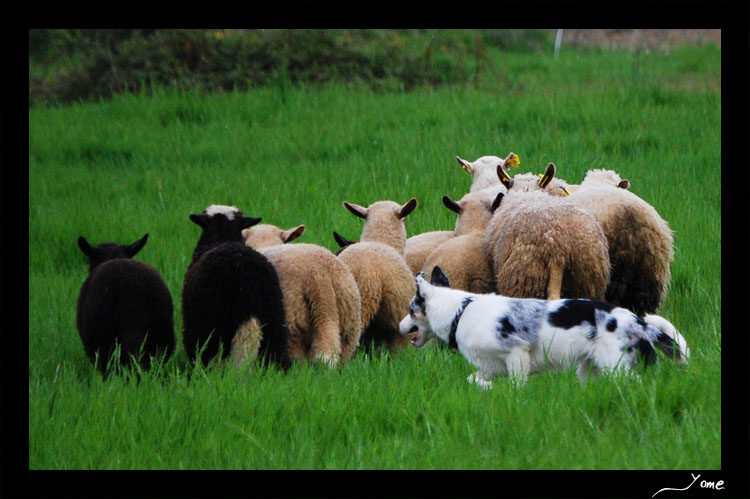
{"points": [[70, 65]]}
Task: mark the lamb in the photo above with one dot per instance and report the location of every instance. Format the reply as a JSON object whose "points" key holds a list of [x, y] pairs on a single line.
{"points": [[384, 280], [231, 294], [125, 302], [640, 241], [542, 246], [483, 170], [321, 299], [462, 258]]}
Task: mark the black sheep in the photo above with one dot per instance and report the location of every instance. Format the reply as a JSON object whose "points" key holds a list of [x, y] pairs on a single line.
{"points": [[125, 302], [228, 289]]}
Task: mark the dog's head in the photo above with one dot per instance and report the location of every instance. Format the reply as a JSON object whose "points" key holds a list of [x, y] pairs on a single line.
{"points": [[417, 321]]}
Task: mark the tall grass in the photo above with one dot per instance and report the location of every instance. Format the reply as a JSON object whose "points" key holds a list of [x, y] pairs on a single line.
{"points": [[118, 169]]}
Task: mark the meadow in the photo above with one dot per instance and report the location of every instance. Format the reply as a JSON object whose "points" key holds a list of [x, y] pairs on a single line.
{"points": [[114, 170]]}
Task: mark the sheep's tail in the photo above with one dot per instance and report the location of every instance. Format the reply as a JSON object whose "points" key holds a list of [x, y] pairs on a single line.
{"points": [[246, 341], [666, 338], [326, 336]]}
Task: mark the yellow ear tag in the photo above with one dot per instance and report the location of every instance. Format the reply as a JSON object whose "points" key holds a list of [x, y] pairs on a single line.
{"points": [[542, 182], [512, 160], [466, 168], [565, 190]]}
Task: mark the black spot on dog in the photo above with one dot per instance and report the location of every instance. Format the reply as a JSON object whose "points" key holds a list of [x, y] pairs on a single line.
{"points": [[612, 325], [646, 351], [575, 312], [504, 327]]}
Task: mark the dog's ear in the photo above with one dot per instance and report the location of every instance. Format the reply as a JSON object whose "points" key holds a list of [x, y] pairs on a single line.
{"points": [[438, 278]]}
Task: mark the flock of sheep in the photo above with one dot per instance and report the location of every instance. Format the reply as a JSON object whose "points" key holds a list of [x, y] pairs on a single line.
{"points": [[247, 294]]}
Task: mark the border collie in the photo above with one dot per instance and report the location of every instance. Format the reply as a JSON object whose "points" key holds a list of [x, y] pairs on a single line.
{"points": [[519, 336]]}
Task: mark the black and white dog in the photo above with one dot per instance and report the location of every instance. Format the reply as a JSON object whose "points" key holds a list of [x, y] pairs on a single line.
{"points": [[519, 336]]}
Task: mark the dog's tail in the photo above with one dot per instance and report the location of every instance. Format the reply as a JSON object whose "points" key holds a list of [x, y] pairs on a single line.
{"points": [[666, 338]]}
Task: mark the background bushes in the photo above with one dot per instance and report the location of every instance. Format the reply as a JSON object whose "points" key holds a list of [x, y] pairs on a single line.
{"points": [[86, 64]]}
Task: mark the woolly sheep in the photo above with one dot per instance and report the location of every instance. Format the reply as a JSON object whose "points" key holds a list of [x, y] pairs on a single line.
{"points": [[640, 241], [542, 246], [321, 298], [419, 247], [125, 302], [483, 170], [462, 258], [385, 282], [231, 294]]}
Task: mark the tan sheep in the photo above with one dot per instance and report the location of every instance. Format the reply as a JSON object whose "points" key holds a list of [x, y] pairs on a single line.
{"points": [[542, 246], [419, 247], [483, 170], [321, 298], [386, 285], [462, 258], [640, 241]]}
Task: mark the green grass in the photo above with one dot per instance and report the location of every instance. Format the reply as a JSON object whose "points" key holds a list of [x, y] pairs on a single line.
{"points": [[115, 170]]}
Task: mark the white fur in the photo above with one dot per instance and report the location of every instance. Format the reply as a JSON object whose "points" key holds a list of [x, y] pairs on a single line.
{"points": [[228, 211]]}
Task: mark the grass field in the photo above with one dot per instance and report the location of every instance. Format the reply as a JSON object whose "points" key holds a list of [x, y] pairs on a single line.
{"points": [[118, 169]]}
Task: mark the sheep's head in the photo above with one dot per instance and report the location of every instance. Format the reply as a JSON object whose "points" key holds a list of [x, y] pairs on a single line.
{"points": [[220, 224], [109, 251], [527, 182], [606, 177], [482, 170], [384, 221], [474, 209], [265, 235]]}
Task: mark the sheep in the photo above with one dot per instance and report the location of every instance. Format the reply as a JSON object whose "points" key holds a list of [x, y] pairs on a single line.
{"points": [[483, 170], [419, 247], [321, 298], [542, 246], [125, 302], [462, 258], [385, 282], [640, 241], [231, 294]]}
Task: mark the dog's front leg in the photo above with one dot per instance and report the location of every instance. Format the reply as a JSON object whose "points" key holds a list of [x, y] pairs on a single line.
{"points": [[518, 364], [480, 379]]}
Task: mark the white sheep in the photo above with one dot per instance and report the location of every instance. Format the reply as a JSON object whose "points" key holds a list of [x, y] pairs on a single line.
{"points": [[123, 302], [483, 170], [542, 246], [231, 294], [385, 282], [321, 298], [640, 241]]}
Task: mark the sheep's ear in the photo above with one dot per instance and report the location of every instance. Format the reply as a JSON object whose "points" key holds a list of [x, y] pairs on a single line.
{"points": [[341, 240], [451, 204], [624, 184], [438, 278], [245, 222], [136, 246], [407, 208], [200, 220], [549, 173], [496, 203], [356, 210], [87, 249], [504, 177], [292, 234], [465, 165]]}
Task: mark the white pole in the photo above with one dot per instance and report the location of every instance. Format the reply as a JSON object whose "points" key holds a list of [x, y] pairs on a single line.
{"points": [[558, 41]]}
